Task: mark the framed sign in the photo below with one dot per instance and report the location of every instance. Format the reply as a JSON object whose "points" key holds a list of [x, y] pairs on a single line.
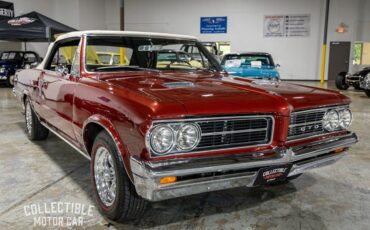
{"points": [[213, 25], [286, 25]]}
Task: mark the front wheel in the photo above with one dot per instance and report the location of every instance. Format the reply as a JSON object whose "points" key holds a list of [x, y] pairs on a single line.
{"points": [[34, 129], [367, 92], [10, 81], [115, 194], [340, 82]]}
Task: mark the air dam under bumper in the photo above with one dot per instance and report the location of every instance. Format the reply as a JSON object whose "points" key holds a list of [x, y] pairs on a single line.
{"points": [[198, 175]]}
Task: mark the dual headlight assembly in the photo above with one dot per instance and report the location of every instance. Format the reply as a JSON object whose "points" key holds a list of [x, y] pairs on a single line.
{"points": [[163, 139], [173, 137], [335, 119]]}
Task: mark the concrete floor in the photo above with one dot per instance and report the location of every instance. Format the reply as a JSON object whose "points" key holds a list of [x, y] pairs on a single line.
{"points": [[335, 197]]}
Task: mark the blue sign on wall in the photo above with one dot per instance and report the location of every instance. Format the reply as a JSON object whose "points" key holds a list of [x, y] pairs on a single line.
{"points": [[213, 25]]}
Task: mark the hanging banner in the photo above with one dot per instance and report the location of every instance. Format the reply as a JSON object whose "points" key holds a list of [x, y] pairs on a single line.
{"points": [[213, 25], [6, 10], [287, 25]]}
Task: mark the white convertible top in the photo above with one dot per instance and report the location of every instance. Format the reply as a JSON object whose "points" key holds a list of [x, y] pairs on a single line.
{"points": [[118, 32]]}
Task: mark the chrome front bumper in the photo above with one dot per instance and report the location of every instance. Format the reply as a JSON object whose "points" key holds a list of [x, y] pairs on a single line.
{"points": [[217, 173]]}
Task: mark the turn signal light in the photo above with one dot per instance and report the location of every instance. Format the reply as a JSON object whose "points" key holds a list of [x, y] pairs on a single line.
{"points": [[339, 150], [168, 180]]}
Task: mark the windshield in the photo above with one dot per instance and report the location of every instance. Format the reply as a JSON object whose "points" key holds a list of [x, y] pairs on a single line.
{"points": [[142, 53], [11, 56], [250, 60]]}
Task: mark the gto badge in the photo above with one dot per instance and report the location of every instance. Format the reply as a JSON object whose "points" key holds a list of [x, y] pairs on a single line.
{"points": [[309, 128]]}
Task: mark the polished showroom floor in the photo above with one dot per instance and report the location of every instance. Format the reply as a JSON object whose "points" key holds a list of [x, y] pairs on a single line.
{"points": [[335, 197]]}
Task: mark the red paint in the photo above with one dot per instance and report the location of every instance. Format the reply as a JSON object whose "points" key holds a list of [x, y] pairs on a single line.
{"points": [[126, 103]]}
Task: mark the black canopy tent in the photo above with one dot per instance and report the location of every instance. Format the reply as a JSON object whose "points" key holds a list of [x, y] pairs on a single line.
{"points": [[31, 27]]}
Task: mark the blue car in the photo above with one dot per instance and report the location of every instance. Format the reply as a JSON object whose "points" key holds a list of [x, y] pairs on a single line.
{"points": [[251, 65], [11, 61]]}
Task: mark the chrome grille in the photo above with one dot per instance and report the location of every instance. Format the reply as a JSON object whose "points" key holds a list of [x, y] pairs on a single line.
{"points": [[306, 123], [234, 132]]}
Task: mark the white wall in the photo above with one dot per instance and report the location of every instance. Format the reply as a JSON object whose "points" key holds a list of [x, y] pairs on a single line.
{"points": [[347, 12], [300, 58]]}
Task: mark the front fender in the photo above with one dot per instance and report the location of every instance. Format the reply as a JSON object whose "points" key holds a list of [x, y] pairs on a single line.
{"points": [[107, 125]]}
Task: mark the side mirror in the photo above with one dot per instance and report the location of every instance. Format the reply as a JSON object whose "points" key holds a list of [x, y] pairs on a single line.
{"points": [[277, 66]]}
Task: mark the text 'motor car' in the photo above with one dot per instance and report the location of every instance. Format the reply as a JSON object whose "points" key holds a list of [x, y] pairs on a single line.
{"points": [[157, 129]]}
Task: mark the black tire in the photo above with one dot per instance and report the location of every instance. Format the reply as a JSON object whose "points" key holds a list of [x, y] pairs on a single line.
{"points": [[127, 205], [340, 82], [10, 81], [357, 86], [367, 92], [34, 129]]}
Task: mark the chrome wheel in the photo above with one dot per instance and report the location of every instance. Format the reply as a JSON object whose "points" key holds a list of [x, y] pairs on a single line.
{"points": [[105, 176], [28, 118]]}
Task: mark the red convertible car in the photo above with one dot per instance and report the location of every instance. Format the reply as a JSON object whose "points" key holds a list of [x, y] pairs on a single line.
{"points": [[156, 130]]}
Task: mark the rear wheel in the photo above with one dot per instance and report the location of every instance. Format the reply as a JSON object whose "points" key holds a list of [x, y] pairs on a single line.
{"points": [[367, 92], [115, 194], [34, 129], [10, 81], [340, 82]]}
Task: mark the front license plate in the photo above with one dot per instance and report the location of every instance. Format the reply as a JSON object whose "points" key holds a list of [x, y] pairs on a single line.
{"points": [[271, 174]]}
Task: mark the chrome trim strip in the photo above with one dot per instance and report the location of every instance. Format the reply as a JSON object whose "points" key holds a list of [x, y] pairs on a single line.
{"points": [[65, 140], [303, 124], [147, 137], [232, 132], [301, 168], [313, 136], [321, 109]]}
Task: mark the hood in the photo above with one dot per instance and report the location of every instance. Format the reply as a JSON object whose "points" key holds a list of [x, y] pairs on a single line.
{"points": [[202, 94], [253, 72]]}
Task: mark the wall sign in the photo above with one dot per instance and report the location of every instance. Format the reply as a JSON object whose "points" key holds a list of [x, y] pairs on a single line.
{"points": [[287, 25], [213, 25], [6, 10]]}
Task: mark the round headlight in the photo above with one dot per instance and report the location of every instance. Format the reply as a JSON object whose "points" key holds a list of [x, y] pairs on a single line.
{"points": [[331, 120], [345, 117], [188, 137], [162, 139]]}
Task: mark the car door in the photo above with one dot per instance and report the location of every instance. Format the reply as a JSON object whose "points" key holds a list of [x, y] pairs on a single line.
{"points": [[57, 88]]}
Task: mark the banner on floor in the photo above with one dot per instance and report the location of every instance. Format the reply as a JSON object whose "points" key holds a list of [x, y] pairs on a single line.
{"points": [[297, 25], [6, 10]]}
